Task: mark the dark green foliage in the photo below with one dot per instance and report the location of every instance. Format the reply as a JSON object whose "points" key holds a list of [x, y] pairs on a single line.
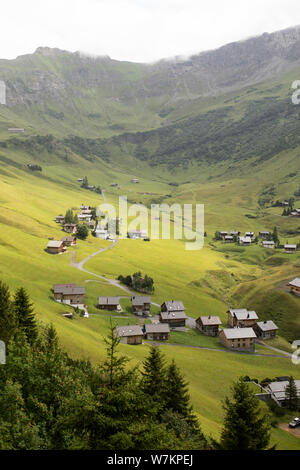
{"points": [[138, 282], [24, 313], [82, 231], [85, 183], [70, 217], [8, 320], [291, 395], [154, 375], [246, 427]]}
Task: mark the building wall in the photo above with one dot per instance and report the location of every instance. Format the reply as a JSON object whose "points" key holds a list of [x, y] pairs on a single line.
{"points": [[295, 290], [157, 336], [247, 344], [108, 307]]}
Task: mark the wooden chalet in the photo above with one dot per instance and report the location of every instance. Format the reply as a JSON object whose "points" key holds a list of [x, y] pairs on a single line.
{"points": [[172, 312], [290, 249], [70, 294], [241, 318], [130, 334], [60, 219], [238, 339], [55, 247], [268, 244], [109, 303], [70, 228], [229, 239], [295, 286], [69, 240], [245, 241], [265, 329], [264, 234], [141, 305], [157, 331], [209, 326]]}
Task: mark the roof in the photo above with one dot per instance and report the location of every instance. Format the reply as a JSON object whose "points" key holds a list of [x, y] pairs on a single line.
{"points": [[174, 305], [68, 289], [211, 320], [264, 231], [295, 282], [54, 244], [267, 325], [108, 300], [173, 315], [70, 225], [278, 388], [267, 242], [245, 239], [157, 328], [138, 300], [239, 333], [243, 314], [292, 247], [130, 330], [68, 238]]}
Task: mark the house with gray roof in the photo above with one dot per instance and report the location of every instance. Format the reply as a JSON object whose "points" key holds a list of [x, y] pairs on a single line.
{"points": [[241, 318], [69, 294], [209, 326], [295, 286], [141, 305], [245, 241], [290, 249], [55, 247], [130, 334], [238, 339], [265, 329], [277, 391], [157, 331], [172, 312], [109, 303]]}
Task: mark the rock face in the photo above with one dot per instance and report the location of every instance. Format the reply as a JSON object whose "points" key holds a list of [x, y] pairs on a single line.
{"points": [[54, 75]]}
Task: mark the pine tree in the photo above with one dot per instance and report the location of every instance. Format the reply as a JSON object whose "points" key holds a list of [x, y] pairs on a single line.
{"points": [[24, 313], [153, 375], [291, 395], [8, 321], [246, 427]]}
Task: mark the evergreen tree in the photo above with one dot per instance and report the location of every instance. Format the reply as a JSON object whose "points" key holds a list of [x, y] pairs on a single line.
{"points": [[24, 313], [113, 368], [246, 427], [85, 183], [8, 321], [291, 395], [177, 396], [82, 231], [70, 217], [153, 375]]}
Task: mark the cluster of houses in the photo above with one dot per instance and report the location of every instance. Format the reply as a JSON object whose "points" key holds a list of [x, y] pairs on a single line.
{"points": [[249, 237], [60, 246]]}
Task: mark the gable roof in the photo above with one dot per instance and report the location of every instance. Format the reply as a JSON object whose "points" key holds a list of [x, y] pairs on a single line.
{"points": [[239, 333], [295, 282], [267, 325], [139, 300], [211, 320], [54, 244], [173, 315], [68, 289], [243, 314], [174, 305], [157, 328], [292, 247], [278, 388], [129, 330], [108, 300]]}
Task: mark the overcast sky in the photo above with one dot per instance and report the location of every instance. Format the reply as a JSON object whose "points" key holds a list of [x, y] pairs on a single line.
{"points": [[138, 30]]}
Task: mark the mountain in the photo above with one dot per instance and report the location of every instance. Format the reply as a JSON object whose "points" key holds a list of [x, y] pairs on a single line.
{"points": [[74, 93]]}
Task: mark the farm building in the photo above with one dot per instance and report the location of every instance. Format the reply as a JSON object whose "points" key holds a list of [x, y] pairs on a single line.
{"points": [[241, 318], [277, 391], [223, 233], [245, 241], [84, 217], [264, 234], [60, 219], [235, 233], [290, 249], [135, 180], [70, 228], [265, 329], [238, 339], [109, 303], [55, 247], [157, 331], [69, 241], [172, 312], [209, 326], [250, 235], [101, 233], [141, 305], [70, 294], [228, 239], [131, 334], [295, 286], [84, 207], [268, 244]]}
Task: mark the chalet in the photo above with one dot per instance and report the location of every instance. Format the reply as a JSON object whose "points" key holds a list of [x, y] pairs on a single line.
{"points": [[265, 329], [70, 294], [264, 234], [295, 286], [141, 305], [245, 241], [70, 228], [172, 312], [238, 339], [235, 233], [86, 211], [277, 391], [268, 244], [109, 303], [130, 334], [60, 219], [84, 217], [55, 247], [228, 239], [209, 326], [79, 180], [250, 235], [83, 207], [135, 180], [241, 318], [91, 187], [290, 249], [136, 234], [69, 241], [101, 233], [223, 233], [157, 331]]}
